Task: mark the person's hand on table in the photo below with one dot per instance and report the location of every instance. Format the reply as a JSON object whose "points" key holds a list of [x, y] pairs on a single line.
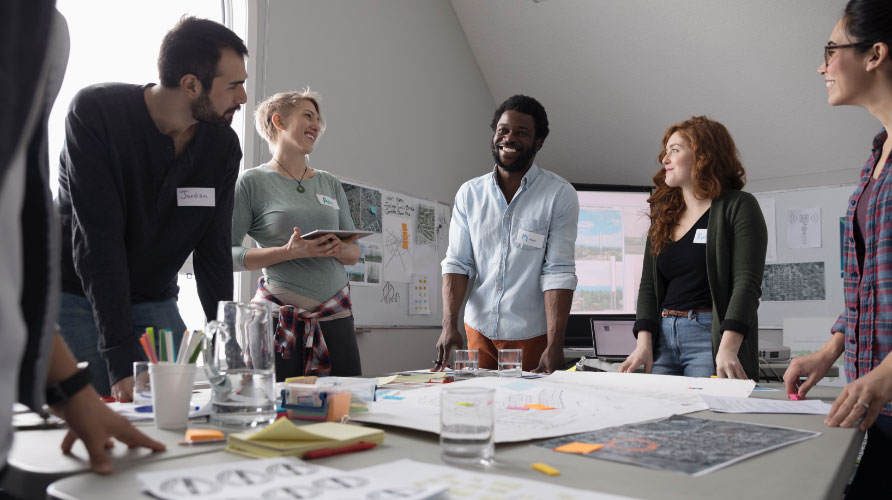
{"points": [[727, 365], [95, 424], [450, 339], [641, 355], [552, 359], [813, 366], [861, 400], [122, 390]]}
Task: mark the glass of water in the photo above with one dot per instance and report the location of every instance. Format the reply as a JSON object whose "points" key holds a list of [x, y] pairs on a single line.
{"points": [[467, 425], [510, 362], [466, 363]]}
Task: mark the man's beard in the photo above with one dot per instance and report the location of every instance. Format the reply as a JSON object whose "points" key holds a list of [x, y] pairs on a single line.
{"points": [[203, 111], [519, 164]]}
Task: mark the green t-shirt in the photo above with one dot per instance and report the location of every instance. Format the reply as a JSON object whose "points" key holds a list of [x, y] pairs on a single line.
{"points": [[268, 206]]}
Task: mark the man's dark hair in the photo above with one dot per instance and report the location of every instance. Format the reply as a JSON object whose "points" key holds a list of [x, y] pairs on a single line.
{"points": [[527, 105], [193, 47]]}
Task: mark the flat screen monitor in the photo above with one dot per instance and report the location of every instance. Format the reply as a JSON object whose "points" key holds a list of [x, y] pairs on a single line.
{"points": [[611, 233]]}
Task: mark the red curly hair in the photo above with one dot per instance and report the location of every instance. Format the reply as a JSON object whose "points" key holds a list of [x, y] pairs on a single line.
{"points": [[716, 167]]}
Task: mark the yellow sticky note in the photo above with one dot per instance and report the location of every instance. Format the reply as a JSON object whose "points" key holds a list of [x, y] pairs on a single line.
{"points": [[578, 447], [538, 406], [462, 403], [193, 435], [546, 469]]}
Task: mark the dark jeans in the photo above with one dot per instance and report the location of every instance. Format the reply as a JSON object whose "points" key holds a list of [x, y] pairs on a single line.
{"points": [[340, 338], [80, 333], [873, 479]]}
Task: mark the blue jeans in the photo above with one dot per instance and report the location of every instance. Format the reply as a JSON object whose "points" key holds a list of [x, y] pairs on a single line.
{"points": [[685, 346], [80, 332]]}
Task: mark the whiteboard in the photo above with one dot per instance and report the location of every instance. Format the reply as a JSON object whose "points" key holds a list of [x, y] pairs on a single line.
{"points": [[832, 202], [398, 282]]}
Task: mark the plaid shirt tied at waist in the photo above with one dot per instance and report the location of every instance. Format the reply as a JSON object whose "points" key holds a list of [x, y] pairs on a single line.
{"points": [[316, 358]]}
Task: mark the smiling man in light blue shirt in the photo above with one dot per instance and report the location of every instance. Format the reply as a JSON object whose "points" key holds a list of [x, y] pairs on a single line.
{"points": [[514, 232]]}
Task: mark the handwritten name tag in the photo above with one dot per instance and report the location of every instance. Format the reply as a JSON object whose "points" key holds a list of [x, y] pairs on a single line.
{"points": [[328, 202], [195, 197], [530, 239], [700, 236]]}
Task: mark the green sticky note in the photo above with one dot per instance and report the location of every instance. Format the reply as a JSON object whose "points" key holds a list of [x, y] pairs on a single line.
{"points": [[373, 209]]}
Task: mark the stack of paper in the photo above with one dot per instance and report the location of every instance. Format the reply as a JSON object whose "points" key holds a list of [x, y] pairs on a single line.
{"points": [[283, 438]]}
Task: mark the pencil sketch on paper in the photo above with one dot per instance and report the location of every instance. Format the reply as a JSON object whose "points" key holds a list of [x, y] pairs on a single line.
{"points": [[694, 446], [398, 250], [389, 295], [395, 205], [425, 227], [794, 281]]}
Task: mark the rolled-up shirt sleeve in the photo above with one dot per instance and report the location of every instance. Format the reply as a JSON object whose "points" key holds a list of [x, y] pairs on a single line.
{"points": [[460, 254], [242, 218], [559, 269]]}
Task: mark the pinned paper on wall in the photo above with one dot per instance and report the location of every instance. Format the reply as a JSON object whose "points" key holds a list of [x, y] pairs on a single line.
{"points": [[367, 270], [804, 228], [399, 239], [363, 203], [419, 294], [767, 206], [426, 226]]}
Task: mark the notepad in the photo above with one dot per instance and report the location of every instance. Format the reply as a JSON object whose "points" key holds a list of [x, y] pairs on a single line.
{"points": [[283, 438]]}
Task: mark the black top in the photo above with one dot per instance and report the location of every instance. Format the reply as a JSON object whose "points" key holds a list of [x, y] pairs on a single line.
{"points": [[124, 236], [682, 265], [861, 221]]}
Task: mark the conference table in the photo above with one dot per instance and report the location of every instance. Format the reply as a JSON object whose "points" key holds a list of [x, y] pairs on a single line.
{"points": [[816, 468]]}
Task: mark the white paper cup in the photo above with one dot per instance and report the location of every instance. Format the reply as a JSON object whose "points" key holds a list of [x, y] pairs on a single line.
{"points": [[171, 393]]}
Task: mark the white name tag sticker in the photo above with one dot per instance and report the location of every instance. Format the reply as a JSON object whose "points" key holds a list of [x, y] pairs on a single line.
{"points": [[700, 236], [530, 239], [195, 197], [328, 202]]}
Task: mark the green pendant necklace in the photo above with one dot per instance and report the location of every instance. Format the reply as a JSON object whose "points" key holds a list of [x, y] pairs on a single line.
{"points": [[300, 187]]}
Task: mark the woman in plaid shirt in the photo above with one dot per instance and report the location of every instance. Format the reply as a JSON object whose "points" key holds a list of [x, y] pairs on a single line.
{"points": [[857, 70]]}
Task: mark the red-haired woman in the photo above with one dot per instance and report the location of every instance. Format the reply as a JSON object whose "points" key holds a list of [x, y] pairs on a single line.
{"points": [[703, 261]]}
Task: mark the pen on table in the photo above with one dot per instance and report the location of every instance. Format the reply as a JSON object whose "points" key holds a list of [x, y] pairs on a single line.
{"points": [[327, 452]]}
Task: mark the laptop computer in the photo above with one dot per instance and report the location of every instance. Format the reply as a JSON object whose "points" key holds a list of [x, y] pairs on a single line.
{"points": [[613, 339]]}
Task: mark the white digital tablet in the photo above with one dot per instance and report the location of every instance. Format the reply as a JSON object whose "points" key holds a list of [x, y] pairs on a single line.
{"points": [[312, 235]]}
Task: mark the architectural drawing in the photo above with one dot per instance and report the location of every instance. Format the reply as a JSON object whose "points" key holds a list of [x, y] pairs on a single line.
{"points": [[794, 281], [426, 227]]}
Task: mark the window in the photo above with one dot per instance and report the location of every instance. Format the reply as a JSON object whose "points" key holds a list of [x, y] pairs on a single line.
{"points": [[114, 41]]}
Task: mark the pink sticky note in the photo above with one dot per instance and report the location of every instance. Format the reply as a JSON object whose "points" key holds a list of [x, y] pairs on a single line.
{"points": [[516, 408], [795, 397]]}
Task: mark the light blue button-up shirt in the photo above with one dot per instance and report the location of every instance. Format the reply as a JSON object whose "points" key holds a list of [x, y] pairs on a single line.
{"points": [[513, 252]]}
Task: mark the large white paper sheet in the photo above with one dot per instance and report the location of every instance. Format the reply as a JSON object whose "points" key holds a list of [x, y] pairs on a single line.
{"points": [[285, 477], [767, 205], [576, 408], [467, 485], [681, 389], [755, 405]]}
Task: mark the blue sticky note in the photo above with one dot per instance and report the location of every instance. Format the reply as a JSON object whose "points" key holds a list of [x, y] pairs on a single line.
{"points": [[373, 209], [520, 385], [393, 397]]}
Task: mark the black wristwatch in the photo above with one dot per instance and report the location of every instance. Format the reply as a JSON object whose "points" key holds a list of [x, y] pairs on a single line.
{"points": [[61, 391]]}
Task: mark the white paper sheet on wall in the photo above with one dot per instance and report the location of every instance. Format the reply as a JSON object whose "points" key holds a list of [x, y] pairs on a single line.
{"points": [[767, 205], [420, 294], [804, 228]]}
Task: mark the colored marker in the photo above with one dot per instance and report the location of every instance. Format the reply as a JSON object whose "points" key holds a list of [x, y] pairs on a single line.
{"points": [[546, 469]]}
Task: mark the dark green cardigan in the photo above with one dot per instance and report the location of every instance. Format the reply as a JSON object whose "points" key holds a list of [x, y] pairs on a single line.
{"points": [[736, 239]]}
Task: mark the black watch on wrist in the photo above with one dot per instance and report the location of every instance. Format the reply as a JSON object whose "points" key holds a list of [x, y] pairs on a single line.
{"points": [[62, 391]]}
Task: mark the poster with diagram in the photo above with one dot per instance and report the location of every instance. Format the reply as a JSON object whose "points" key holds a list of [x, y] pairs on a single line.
{"points": [[398, 232]]}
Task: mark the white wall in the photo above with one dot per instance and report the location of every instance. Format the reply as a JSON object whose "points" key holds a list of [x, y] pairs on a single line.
{"points": [[405, 103], [614, 75]]}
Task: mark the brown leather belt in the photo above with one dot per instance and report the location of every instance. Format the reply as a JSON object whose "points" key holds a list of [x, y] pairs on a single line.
{"points": [[672, 312]]}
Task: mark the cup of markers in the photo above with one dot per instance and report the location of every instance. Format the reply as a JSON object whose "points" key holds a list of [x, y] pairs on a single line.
{"points": [[171, 375]]}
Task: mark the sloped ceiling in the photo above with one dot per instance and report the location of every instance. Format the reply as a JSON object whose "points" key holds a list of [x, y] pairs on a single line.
{"points": [[613, 74]]}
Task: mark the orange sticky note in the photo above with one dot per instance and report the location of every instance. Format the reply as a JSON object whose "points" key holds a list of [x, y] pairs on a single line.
{"points": [[538, 406], [578, 447], [193, 435], [405, 244], [404, 226], [338, 406]]}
